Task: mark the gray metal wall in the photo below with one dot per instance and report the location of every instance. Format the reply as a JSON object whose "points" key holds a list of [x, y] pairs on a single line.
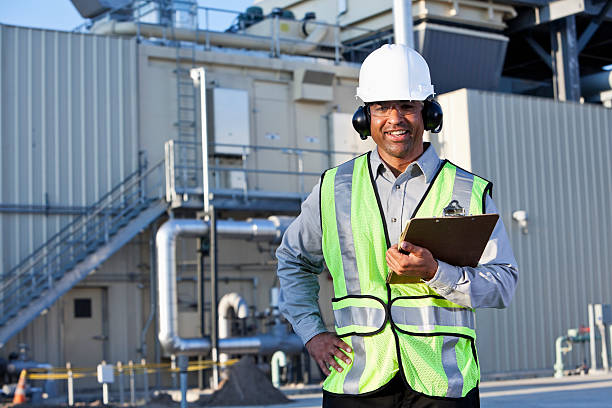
{"points": [[553, 160], [68, 128]]}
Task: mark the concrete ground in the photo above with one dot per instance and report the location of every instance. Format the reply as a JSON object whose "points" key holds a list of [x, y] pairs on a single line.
{"points": [[593, 391]]}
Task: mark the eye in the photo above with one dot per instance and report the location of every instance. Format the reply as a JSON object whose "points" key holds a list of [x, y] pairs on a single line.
{"points": [[380, 108]]}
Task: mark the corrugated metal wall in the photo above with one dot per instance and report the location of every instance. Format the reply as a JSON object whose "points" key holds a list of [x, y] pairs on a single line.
{"points": [[553, 160], [68, 127], [477, 57]]}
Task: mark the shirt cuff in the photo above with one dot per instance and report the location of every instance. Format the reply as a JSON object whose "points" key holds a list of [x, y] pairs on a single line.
{"points": [[309, 328], [446, 278]]}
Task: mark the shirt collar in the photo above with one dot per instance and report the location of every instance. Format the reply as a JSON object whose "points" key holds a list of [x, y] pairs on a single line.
{"points": [[428, 162]]}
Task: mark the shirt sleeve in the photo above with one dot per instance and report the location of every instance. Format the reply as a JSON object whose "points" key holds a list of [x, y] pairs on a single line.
{"points": [[300, 261], [491, 283]]}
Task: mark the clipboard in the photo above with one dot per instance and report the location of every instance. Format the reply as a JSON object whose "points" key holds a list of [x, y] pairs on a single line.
{"points": [[455, 240]]}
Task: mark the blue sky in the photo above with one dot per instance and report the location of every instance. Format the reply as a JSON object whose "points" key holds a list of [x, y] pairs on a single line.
{"points": [[62, 15]]}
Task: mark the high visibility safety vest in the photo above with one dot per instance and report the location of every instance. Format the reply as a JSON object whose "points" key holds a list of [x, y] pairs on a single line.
{"points": [[389, 326]]}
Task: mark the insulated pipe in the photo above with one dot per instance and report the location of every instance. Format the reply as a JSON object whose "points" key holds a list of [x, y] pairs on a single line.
{"points": [[241, 309], [596, 83], [278, 361], [559, 351], [270, 230], [289, 46]]}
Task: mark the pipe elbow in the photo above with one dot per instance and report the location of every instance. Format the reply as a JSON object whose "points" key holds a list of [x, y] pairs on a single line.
{"points": [[233, 301]]}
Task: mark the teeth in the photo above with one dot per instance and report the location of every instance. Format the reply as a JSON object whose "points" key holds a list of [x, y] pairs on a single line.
{"points": [[397, 132]]}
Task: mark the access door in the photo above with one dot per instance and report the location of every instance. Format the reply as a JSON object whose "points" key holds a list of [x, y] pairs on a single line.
{"points": [[84, 334]]}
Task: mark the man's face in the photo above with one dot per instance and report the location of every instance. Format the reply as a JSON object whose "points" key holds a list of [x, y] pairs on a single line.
{"points": [[397, 128]]}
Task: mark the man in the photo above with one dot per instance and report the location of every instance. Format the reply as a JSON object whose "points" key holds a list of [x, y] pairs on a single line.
{"points": [[395, 345]]}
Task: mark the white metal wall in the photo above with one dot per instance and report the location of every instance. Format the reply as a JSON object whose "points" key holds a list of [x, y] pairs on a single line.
{"points": [[68, 127], [553, 160]]}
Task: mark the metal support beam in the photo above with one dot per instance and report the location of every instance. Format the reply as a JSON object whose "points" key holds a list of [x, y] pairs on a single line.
{"points": [[564, 56], [214, 300], [402, 22], [539, 50], [593, 26], [555, 10]]}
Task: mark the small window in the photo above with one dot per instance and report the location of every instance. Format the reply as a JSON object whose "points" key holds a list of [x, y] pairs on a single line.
{"points": [[82, 307]]}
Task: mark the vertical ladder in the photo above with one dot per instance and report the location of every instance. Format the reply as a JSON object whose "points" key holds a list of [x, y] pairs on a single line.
{"points": [[185, 124]]}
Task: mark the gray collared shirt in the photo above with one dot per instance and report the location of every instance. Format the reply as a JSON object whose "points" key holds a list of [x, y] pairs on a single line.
{"points": [[300, 256]]}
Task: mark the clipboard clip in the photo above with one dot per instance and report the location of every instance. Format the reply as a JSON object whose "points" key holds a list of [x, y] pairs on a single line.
{"points": [[453, 209]]}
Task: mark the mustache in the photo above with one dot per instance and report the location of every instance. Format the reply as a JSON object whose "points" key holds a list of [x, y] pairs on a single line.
{"points": [[408, 128]]}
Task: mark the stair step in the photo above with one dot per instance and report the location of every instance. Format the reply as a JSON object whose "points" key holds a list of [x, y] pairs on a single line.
{"points": [[185, 123]]}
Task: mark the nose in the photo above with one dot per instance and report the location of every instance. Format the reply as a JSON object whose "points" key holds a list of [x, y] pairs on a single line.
{"points": [[395, 116]]}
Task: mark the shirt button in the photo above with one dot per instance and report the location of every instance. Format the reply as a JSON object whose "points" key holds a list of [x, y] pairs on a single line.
{"points": [[397, 187], [394, 219]]}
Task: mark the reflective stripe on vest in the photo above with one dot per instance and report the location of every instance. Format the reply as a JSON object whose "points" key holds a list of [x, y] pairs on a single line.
{"points": [[355, 241]]}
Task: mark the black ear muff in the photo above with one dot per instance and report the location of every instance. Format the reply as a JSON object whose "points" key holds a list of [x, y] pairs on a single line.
{"points": [[361, 122], [432, 115]]}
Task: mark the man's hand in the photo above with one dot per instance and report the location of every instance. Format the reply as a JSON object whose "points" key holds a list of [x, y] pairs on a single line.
{"points": [[411, 260], [324, 346]]}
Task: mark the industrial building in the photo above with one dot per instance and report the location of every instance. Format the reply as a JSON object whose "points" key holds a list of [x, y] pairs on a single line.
{"points": [[101, 132]]}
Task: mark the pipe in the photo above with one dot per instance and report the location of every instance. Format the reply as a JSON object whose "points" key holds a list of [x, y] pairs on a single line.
{"points": [[183, 363], [258, 229], [279, 360], [402, 22], [559, 351], [128, 28], [15, 367], [239, 305], [596, 83]]}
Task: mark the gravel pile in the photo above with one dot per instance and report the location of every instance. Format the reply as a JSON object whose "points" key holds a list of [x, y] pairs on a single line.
{"points": [[246, 385]]}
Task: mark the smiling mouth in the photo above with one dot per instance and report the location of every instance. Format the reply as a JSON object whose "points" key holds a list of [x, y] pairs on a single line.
{"points": [[397, 134]]}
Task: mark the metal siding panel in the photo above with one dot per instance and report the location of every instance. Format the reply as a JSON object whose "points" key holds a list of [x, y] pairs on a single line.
{"points": [[3, 179], [461, 60], [552, 159], [56, 136]]}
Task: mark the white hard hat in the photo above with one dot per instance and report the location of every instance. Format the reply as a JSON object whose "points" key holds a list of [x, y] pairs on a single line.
{"points": [[394, 72]]}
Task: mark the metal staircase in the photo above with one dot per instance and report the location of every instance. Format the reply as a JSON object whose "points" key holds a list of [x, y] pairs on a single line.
{"points": [[79, 248]]}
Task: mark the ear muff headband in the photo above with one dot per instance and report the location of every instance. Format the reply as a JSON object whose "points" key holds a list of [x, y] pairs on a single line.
{"points": [[431, 113]]}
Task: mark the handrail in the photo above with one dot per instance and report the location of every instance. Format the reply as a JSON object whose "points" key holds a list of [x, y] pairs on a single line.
{"points": [[66, 227], [144, 9], [83, 221], [184, 178]]}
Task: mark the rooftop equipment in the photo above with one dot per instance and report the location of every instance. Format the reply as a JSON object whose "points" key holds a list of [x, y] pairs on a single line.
{"points": [[95, 8]]}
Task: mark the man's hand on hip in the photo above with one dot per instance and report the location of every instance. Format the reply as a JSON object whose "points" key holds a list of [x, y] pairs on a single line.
{"points": [[411, 260], [324, 346]]}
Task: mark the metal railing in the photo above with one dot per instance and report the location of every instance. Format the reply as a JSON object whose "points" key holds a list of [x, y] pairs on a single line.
{"points": [[168, 14], [81, 237], [181, 178]]}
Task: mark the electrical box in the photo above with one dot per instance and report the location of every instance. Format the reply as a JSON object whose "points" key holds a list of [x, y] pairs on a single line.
{"points": [[105, 374], [231, 125], [237, 180]]}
